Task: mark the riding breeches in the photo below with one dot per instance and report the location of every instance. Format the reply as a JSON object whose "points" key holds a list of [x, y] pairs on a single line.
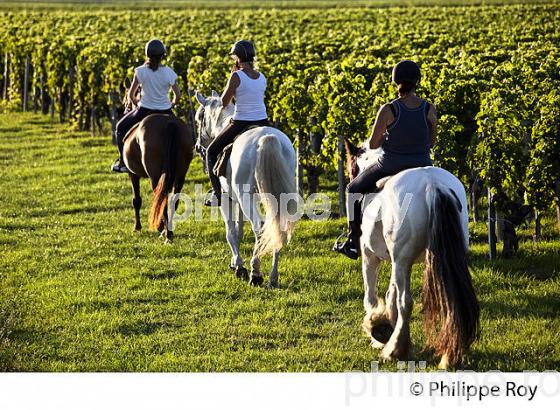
{"points": [[226, 137], [130, 119]]}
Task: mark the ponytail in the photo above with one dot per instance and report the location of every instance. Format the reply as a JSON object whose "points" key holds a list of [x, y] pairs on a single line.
{"points": [[154, 62], [405, 87]]}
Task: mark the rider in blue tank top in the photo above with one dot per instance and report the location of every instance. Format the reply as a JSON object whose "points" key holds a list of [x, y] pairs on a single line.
{"points": [[405, 129]]}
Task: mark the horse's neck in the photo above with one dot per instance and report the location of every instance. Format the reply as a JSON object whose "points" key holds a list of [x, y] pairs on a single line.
{"points": [[369, 157], [222, 125]]}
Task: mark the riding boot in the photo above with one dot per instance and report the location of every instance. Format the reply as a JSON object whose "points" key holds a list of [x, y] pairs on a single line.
{"points": [[351, 247], [215, 199]]}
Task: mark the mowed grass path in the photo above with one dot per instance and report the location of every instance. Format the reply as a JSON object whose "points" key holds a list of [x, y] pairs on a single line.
{"points": [[81, 292]]}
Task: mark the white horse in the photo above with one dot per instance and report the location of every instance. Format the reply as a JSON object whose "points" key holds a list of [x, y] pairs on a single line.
{"points": [[262, 162], [421, 213]]}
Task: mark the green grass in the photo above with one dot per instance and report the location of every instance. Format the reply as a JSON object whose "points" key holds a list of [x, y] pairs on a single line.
{"points": [[79, 291], [228, 4]]}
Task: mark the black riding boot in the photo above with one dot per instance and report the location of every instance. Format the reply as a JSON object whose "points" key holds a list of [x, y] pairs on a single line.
{"points": [[215, 199], [351, 247]]}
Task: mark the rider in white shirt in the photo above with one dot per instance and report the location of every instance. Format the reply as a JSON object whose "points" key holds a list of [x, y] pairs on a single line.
{"points": [[247, 86], [155, 80]]}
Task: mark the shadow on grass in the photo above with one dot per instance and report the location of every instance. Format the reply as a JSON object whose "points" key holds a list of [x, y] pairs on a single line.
{"points": [[162, 275], [545, 307], [143, 328]]}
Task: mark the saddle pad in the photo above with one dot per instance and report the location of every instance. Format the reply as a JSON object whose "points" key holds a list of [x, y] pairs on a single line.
{"points": [[220, 168]]}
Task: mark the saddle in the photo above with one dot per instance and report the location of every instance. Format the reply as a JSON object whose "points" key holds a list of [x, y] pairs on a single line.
{"points": [[220, 168]]}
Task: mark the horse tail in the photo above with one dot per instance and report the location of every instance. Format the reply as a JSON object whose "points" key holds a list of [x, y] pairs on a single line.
{"points": [[448, 297], [167, 178], [274, 178]]}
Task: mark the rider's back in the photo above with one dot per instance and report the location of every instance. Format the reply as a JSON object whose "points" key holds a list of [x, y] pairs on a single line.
{"points": [[249, 98], [409, 134], [155, 86]]}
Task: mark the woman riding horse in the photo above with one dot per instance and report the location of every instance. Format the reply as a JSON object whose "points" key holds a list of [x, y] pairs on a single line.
{"points": [[155, 79], [247, 86], [406, 130]]}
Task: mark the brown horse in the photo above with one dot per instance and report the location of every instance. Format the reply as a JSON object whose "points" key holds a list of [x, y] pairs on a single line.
{"points": [[160, 148]]}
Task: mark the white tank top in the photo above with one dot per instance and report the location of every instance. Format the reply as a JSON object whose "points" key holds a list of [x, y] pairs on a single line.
{"points": [[155, 86], [249, 98]]}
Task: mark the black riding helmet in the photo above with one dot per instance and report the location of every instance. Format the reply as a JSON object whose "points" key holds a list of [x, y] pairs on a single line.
{"points": [[245, 50], [155, 48], [406, 71]]}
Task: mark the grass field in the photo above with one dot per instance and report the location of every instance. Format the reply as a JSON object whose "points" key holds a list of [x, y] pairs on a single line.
{"points": [[79, 291]]}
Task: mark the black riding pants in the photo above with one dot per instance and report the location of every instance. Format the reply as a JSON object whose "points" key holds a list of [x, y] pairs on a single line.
{"points": [[226, 137], [366, 181], [132, 118]]}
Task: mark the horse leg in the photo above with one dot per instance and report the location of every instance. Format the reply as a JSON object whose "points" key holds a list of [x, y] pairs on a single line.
{"points": [[256, 224], [273, 282], [375, 323], [399, 343], [232, 237], [136, 200]]}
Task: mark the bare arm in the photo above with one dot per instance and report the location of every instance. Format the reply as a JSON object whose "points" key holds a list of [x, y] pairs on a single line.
{"points": [[229, 92], [432, 124], [176, 93], [384, 118], [132, 91]]}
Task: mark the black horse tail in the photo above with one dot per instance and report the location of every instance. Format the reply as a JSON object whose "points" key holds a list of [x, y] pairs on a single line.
{"points": [[451, 310], [167, 178]]}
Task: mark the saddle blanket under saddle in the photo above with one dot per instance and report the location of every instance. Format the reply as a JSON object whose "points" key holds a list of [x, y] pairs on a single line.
{"points": [[220, 168]]}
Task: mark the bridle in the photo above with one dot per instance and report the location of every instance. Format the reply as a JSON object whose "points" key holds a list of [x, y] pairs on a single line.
{"points": [[203, 135]]}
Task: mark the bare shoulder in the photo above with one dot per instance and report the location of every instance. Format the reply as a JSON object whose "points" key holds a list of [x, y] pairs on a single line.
{"points": [[234, 78]]}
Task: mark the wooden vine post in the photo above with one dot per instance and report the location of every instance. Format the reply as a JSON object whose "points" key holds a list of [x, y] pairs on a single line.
{"points": [[491, 227], [113, 98], [299, 168], [537, 236], [71, 80], [26, 83], [341, 178], [5, 89]]}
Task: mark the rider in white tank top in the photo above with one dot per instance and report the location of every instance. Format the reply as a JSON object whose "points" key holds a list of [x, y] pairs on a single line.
{"points": [[249, 98]]}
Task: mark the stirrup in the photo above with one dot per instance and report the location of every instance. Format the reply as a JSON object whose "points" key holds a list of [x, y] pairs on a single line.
{"points": [[345, 247], [118, 166], [214, 200]]}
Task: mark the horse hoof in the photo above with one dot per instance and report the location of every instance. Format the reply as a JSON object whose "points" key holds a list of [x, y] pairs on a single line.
{"points": [[256, 280], [168, 241], [273, 285], [381, 333], [241, 273], [137, 229]]}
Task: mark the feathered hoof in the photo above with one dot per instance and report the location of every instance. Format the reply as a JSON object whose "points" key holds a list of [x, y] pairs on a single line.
{"points": [[241, 273], [377, 326], [256, 280], [444, 362], [381, 333]]}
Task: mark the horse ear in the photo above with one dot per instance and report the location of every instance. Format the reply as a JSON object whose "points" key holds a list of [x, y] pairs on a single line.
{"points": [[351, 149], [215, 94], [200, 98]]}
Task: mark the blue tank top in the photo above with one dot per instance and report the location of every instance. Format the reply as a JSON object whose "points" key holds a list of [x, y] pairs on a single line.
{"points": [[409, 133]]}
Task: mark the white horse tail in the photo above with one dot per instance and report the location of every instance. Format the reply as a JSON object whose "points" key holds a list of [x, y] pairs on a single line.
{"points": [[448, 295], [274, 178]]}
